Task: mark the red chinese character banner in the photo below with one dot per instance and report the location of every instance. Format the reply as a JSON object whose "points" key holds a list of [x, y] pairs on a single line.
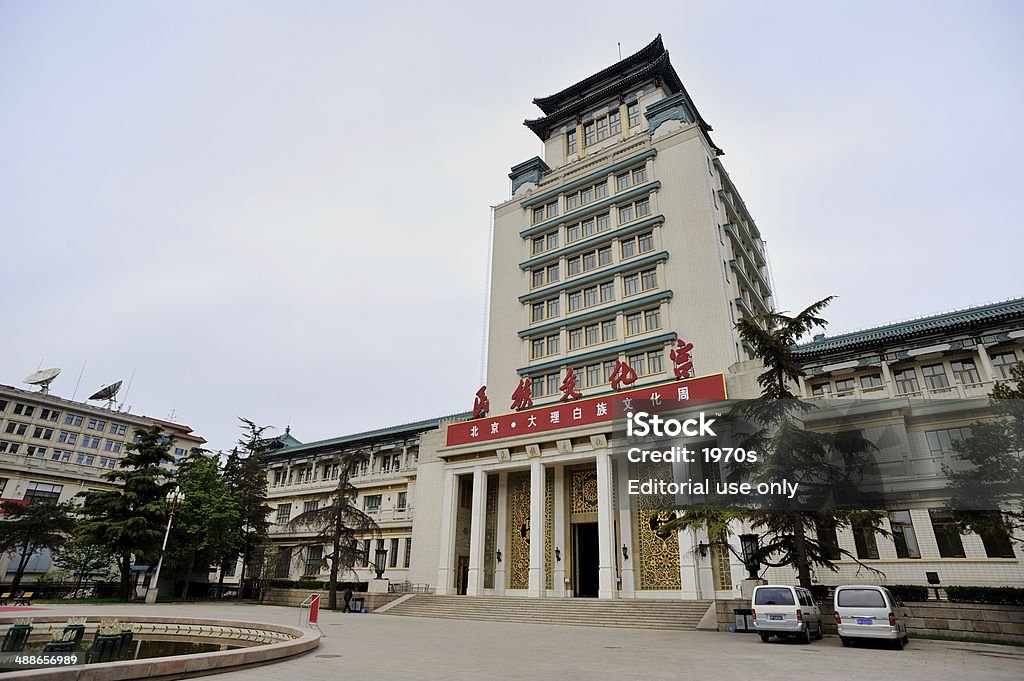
{"points": [[677, 394]]}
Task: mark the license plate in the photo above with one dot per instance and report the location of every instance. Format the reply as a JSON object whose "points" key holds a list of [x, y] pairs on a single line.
{"points": [[868, 622], [776, 618]]}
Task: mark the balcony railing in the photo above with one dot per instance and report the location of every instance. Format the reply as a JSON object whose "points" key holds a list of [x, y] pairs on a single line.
{"points": [[321, 482]]}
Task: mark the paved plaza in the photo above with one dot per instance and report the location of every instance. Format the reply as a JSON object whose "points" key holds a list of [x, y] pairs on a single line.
{"points": [[386, 647]]}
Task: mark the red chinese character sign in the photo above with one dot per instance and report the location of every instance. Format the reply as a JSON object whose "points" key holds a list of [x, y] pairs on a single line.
{"points": [[680, 356], [481, 405], [522, 398], [587, 411], [623, 374], [569, 391]]}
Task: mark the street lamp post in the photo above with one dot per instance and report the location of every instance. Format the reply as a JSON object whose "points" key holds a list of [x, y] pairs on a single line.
{"points": [[174, 499], [380, 561]]}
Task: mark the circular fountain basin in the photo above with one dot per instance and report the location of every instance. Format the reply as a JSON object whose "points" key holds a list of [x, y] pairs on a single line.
{"points": [[186, 647]]}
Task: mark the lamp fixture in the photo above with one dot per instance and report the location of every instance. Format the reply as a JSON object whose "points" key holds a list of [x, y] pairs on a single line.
{"points": [[558, 555], [625, 552], [499, 555]]}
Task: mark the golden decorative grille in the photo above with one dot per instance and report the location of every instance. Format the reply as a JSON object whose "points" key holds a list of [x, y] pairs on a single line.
{"points": [[519, 528], [549, 526], [659, 551], [584, 489], [490, 531]]}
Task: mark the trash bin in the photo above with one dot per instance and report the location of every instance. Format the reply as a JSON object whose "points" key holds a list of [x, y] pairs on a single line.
{"points": [[744, 619], [357, 605]]}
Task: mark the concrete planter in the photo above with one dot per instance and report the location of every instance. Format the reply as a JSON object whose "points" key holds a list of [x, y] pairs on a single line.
{"points": [[294, 597]]}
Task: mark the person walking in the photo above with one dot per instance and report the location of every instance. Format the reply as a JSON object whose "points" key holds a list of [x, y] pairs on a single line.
{"points": [[348, 600]]}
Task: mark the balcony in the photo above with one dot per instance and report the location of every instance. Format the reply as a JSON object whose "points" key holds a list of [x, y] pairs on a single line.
{"points": [[888, 390], [320, 484]]}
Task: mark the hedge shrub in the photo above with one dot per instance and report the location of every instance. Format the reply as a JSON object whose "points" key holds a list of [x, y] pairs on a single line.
{"points": [[314, 585], [992, 595], [909, 593]]}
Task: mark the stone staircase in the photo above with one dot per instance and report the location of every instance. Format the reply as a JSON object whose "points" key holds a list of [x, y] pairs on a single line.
{"points": [[590, 612]]}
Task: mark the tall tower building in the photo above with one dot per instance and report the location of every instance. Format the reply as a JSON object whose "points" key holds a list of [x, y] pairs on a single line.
{"points": [[620, 265], [625, 237]]}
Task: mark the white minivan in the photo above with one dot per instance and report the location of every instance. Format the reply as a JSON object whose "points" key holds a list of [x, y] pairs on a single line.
{"points": [[868, 611], [782, 610]]}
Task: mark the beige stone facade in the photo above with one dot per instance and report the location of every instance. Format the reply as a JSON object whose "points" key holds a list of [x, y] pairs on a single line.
{"points": [[53, 448]]}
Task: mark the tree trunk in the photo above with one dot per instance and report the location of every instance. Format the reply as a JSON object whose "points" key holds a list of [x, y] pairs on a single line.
{"points": [[22, 564], [220, 580], [188, 576], [126, 576], [241, 573], [332, 594], [803, 565]]}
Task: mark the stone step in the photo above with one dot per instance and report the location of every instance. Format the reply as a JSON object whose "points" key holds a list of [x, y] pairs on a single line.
{"points": [[646, 614]]}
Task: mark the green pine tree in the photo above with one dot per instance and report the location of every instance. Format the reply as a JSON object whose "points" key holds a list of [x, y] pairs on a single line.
{"points": [[130, 520]]}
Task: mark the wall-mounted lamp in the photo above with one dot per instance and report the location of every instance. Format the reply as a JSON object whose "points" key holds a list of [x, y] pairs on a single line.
{"points": [[499, 555], [625, 552], [558, 555], [702, 549]]}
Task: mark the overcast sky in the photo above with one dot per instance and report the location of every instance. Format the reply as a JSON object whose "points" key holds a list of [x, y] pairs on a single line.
{"points": [[279, 210]]}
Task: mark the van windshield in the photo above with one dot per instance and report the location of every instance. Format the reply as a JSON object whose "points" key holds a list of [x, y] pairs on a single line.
{"points": [[860, 598], [772, 596]]}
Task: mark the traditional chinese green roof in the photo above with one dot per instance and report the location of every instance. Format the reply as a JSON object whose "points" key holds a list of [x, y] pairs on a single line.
{"points": [[413, 428], [969, 319], [651, 62]]}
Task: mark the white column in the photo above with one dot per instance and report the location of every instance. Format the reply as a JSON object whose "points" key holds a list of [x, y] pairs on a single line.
{"points": [[689, 574], [890, 386], [536, 583], [475, 586], [558, 535], [605, 527], [986, 364], [628, 588], [446, 549], [501, 534]]}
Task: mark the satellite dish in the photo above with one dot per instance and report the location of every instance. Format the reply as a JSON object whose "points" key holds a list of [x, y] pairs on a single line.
{"points": [[108, 393], [43, 379]]}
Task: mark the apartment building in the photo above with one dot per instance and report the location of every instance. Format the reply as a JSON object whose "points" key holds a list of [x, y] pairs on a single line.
{"points": [[52, 448]]}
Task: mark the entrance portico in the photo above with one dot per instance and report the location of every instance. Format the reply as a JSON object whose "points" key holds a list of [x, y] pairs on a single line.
{"points": [[548, 514]]}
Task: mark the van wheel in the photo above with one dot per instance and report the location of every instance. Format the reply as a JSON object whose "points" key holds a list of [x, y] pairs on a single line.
{"points": [[807, 634], [847, 642], [764, 637], [818, 634], [898, 643]]}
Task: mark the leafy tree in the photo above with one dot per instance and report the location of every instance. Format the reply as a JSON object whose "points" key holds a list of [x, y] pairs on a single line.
{"points": [[27, 528], [130, 520], [81, 560], [203, 530], [987, 494], [827, 466], [247, 480], [338, 522]]}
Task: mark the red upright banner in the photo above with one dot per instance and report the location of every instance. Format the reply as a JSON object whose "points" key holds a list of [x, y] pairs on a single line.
{"points": [[314, 608], [584, 412]]}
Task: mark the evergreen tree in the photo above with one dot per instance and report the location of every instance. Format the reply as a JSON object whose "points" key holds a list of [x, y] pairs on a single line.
{"points": [[28, 528], [247, 480], [130, 519], [339, 523], [827, 466], [987, 492]]}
